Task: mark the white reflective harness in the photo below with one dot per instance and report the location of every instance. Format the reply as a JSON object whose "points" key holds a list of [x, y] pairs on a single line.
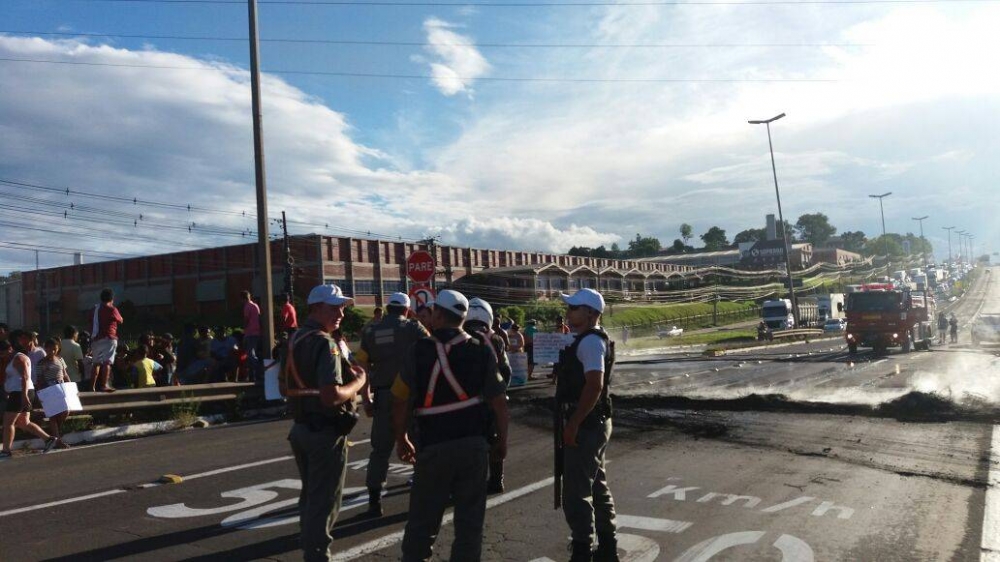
{"points": [[442, 365]]}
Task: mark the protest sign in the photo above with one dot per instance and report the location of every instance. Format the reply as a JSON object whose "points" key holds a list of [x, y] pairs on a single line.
{"points": [[548, 345], [59, 398]]}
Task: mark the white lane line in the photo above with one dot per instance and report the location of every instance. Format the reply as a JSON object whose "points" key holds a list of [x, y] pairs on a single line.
{"points": [[990, 551], [393, 538], [60, 502]]}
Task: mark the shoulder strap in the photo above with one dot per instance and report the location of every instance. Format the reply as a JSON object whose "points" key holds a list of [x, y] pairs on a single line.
{"points": [[442, 365], [301, 388]]}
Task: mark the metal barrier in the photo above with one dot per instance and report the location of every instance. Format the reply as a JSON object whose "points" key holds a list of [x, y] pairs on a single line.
{"points": [[137, 398], [801, 332]]}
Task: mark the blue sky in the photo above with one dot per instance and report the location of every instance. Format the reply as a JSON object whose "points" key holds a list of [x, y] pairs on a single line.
{"points": [[880, 97]]}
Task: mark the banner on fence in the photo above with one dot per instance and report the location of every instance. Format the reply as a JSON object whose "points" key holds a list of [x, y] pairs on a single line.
{"points": [[60, 398], [271, 372], [518, 367], [548, 345]]}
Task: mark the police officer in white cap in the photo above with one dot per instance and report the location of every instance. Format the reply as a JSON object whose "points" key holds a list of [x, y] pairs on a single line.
{"points": [[447, 385], [384, 345], [583, 396], [321, 394], [478, 323]]}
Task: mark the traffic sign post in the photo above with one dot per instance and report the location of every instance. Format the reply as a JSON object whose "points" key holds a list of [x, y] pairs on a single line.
{"points": [[420, 267], [421, 295]]}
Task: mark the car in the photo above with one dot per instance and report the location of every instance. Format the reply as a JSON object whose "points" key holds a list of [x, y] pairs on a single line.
{"points": [[671, 332], [986, 329], [835, 325]]}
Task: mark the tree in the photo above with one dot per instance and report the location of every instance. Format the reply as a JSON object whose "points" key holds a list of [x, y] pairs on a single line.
{"points": [[750, 235], [678, 246], [853, 241], [715, 239], [616, 251], [643, 247], [581, 251], [877, 246], [814, 228], [788, 228], [686, 232]]}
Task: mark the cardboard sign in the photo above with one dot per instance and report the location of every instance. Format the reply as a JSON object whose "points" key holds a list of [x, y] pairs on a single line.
{"points": [[60, 398], [548, 345], [518, 367], [271, 372]]}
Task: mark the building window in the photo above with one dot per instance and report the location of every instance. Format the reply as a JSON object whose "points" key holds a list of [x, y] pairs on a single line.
{"points": [[364, 287], [393, 287]]}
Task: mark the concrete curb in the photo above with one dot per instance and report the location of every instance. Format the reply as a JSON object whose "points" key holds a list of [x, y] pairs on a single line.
{"points": [[119, 432]]}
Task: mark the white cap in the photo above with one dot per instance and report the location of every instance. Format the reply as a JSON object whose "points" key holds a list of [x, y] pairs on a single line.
{"points": [[399, 299], [585, 297], [480, 311], [452, 301], [329, 294]]}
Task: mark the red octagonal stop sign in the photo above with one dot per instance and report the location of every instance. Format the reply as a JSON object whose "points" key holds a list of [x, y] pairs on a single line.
{"points": [[420, 266]]}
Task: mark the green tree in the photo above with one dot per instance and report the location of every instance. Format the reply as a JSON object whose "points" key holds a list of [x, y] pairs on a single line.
{"points": [[643, 247], [616, 251], [853, 241], [877, 246], [686, 232], [814, 228], [715, 239], [750, 235], [678, 246]]}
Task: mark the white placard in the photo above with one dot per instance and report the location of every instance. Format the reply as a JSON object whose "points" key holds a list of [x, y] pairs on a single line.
{"points": [[518, 367], [59, 398], [548, 345], [271, 373]]}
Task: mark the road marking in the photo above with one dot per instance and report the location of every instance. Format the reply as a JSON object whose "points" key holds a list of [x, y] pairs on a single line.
{"points": [[60, 502], [393, 538], [991, 517]]}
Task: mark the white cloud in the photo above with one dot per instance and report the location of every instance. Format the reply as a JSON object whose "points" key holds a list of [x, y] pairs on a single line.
{"points": [[457, 63], [507, 233]]}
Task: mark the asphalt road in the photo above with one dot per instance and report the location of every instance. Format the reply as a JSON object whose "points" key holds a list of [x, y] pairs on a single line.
{"points": [[722, 478]]}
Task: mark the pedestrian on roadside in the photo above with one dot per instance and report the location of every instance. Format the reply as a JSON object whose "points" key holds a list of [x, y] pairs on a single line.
{"points": [[942, 325], [289, 317], [384, 347], [145, 369], [423, 314], [953, 328], [106, 320], [52, 371], [583, 388], [28, 341], [478, 324], [321, 396], [516, 338], [251, 336], [563, 327], [20, 395], [72, 354], [449, 449], [499, 330], [529, 345]]}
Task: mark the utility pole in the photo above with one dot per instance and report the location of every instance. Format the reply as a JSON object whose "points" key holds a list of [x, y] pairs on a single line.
{"points": [[263, 239], [431, 242], [885, 240], [784, 235], [923, 254], [289, 263], [949, 229]]}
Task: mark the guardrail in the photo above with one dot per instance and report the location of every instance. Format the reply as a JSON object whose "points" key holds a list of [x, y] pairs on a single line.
{"points": [[801, 332], [139, 398]]}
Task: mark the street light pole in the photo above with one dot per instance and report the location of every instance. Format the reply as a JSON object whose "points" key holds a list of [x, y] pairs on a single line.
{"points": [[922, 252], [961, 246], [781, 217], [949, 228], [885, 240]]}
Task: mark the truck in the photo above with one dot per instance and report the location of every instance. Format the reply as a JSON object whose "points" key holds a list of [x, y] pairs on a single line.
{"points": [[881, 316], [777, 313], [830, 306]]}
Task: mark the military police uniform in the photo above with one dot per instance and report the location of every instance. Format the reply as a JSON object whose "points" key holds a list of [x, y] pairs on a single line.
{"points": [[384, 345], [450, 379], [587, 501], [319, 435]]}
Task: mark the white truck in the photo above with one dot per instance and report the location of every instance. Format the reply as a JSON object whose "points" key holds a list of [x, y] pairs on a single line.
{"points": [[830, 306], [777, 314]]}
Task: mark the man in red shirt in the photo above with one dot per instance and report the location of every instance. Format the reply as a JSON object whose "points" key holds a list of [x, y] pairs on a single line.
{"points": [[289, 318], [251, 335], [105, 343]]}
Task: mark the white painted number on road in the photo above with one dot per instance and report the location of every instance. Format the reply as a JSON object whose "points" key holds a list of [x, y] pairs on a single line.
{"points": [[792, 548]]}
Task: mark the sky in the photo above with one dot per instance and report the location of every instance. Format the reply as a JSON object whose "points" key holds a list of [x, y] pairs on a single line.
{"points": [[531, 126]]}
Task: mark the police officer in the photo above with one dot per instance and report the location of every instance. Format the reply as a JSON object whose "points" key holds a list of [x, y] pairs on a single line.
{"points": [[478, 323], [447, 385], [384, 344], [583, 391], [321, 394]]}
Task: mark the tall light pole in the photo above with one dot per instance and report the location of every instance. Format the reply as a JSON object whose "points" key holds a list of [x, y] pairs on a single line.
{"points": [[885, 240], [971, 252], [961, 245], [949, 229], [781, 217], [922, 252]]}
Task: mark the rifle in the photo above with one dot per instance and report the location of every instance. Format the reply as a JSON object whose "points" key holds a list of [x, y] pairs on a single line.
{"points": [[558, 460]]}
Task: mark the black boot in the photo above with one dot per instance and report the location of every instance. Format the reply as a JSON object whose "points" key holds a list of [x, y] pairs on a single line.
{"points": [[607, 549], [374, 503], [495, 485], [580, 552]]}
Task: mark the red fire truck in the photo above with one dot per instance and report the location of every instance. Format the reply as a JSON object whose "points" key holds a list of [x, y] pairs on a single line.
{"points": [[881, 316]]}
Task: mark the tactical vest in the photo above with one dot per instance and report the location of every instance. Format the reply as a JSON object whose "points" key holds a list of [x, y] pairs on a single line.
{"points": [[301, 384], [386, 344], [449, 374], [571, 377]]}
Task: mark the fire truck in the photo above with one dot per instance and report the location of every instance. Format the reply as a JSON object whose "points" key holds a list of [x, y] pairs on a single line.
{"points": [[881, 316]]}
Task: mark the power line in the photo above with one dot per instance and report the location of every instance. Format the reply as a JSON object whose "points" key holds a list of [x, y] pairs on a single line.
{"points": [[428, 77], [378, 3], [470, 45]]}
